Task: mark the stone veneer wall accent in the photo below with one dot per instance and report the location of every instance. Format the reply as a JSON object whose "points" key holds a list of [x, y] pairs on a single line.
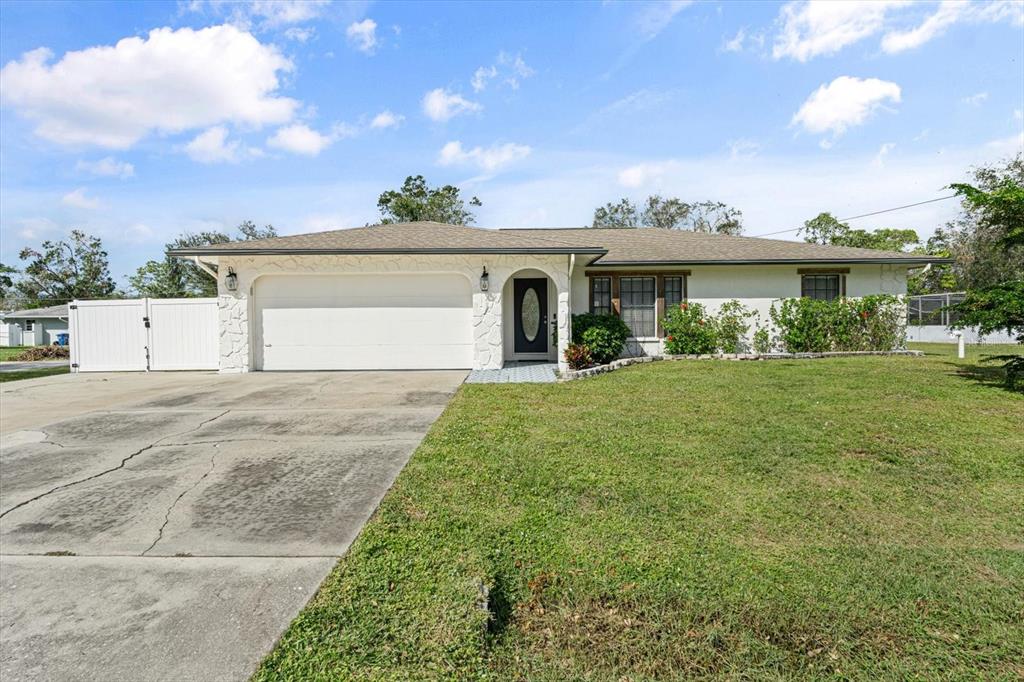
{"points": [[237, 334]]}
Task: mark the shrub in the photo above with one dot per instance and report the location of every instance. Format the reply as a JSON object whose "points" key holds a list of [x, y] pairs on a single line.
{"points": [[577, 355], [809, 325], [762, 340], [43, 353], [732, 327], [604, 335], [689, 330]]}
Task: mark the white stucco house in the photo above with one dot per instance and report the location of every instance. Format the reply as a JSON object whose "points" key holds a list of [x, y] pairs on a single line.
{"points": [[35, 326], [430, 296]]}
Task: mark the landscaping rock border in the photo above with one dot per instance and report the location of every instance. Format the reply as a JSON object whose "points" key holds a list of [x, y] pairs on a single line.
{"points": [[571, 375]]}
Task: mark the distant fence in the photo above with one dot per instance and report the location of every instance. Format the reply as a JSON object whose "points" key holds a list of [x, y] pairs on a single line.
{"points": [[929, 319]]}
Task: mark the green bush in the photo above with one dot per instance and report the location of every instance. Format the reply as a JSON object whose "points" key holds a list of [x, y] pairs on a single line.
{"points": [[732, 327], [603, 335], [689, 330], [807, 325], [762, 340]]}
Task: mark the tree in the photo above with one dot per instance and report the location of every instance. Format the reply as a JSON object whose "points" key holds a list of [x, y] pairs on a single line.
{"points": [[671, 213], [994, 220], [64, 270], [416, 201], [621, 215], [177, 278], [985, 239], [827, 229], [6, 283]]}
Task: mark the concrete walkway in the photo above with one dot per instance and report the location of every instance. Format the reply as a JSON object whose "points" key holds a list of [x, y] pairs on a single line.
{"points": [[516, 373], [174, 529]]}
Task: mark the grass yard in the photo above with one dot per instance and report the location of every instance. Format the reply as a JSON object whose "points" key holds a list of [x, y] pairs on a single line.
{"points": [[9, 352], [33, 373], [853, 517]]}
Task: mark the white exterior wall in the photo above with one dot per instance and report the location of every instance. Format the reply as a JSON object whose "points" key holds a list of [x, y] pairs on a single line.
{"points": [[42, 330], [238, 331], [755, 286]]}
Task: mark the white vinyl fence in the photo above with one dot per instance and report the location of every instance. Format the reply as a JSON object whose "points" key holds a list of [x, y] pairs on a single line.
{"points": [[143, 334]]}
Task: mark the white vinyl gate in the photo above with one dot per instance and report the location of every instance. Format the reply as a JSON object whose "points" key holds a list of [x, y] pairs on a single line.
{"points": [[142, 334]]}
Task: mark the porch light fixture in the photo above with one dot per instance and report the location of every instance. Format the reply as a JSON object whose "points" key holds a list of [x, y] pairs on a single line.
{"points": [[484, 280], [231, 280]]}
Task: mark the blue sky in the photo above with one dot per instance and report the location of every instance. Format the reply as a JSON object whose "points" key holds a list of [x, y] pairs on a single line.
{"points": [[139, 121]]}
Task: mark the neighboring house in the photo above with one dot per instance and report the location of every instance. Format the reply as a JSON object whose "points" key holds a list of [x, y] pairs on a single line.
{"points": [[429, 295], [929, 318], [10, 333], [39, 326]]}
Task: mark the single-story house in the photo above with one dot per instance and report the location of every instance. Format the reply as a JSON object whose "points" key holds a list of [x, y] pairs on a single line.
{"points": [[427, 295], [37, 326]]}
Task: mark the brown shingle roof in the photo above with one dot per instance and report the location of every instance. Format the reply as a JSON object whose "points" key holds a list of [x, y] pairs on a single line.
{"points": [[419, 237], [660, 246], [608, 246]]}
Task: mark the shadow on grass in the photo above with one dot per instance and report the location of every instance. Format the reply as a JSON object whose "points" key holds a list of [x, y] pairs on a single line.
{"points": [[989, 373]]}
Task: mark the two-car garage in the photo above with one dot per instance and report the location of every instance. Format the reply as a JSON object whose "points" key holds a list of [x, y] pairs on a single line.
{"points": [[363, 321]]}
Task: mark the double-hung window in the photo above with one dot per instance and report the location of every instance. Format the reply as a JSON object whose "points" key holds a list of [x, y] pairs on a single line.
{"points": [[30, 325], [673, 292], [601, 295], [637, 302], [822, 287]]}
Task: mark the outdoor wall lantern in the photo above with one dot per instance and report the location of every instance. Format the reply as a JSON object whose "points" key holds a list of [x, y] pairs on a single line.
{"points": [[484, 280], [231, 280]]}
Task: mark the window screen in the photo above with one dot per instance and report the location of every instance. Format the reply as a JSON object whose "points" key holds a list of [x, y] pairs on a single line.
{"points": [[601, 289], [636, 296], [673, 292], [823, 287]]}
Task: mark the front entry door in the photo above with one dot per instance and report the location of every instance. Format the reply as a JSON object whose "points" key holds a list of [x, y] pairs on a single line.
{"points": [[530, 319]]}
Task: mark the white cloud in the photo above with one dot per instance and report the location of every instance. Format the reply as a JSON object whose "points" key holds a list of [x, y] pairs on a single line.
{"points": [[645, 174], [386, 119], [975, 99], [301, 139], [1018, 115], [482, 75], [949, 13], [735, 44], [108, 167], [212, 146], [511, 69], [441, 105], [266, 14], [845, 102], [487, 159], [363, 35], [743, 148], [810, 28], [77, 199], [883, 152], [36, 228], [170, 81], [822, 27], [300, 34], [655, 16]]}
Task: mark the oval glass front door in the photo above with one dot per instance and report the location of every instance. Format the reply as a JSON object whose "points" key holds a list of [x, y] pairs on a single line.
{"points": [[530, 314]]}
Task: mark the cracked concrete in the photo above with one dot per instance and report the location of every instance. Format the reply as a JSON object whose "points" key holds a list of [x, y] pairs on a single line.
{"points": [[258, 479]]}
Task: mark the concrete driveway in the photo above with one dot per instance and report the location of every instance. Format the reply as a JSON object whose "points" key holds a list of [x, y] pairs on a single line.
{"points": [[170, 526]]}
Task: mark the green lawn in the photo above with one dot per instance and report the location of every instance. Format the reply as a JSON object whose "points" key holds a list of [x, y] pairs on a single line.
{"points": [[842, 518], [8, 352], [33, 373]]}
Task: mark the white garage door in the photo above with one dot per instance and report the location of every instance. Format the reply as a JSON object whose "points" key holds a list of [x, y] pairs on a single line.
{"points": [[386, 321]]}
